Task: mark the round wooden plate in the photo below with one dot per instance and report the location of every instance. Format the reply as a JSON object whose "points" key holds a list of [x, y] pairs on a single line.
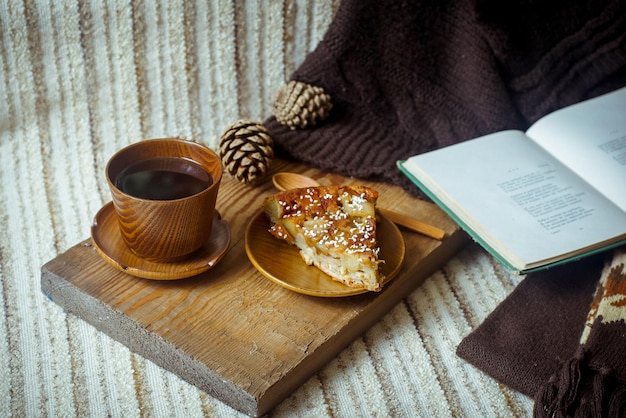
{"points": [[281, 262], [109, 243]]}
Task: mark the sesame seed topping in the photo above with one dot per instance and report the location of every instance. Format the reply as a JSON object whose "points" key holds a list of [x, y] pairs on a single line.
{"points": [[338, 222]]}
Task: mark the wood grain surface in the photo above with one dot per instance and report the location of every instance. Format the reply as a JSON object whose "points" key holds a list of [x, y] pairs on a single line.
{"points": [[230, 331]]}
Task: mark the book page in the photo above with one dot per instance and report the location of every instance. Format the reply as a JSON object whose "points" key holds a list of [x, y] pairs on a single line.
{"points": [[521, 200], [590, 138]]}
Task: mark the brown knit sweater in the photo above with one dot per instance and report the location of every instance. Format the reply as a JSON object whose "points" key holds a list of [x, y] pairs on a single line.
{"points": [[410, 76]]}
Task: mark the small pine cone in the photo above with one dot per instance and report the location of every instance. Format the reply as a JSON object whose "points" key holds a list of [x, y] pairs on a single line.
{"points": [[246, 150], [301, 105]]}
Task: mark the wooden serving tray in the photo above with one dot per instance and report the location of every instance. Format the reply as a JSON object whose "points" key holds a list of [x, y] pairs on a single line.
{"points": [[230, 331]]}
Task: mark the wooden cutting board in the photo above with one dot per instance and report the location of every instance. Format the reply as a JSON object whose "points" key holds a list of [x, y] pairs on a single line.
{"points": [[230, 331]]}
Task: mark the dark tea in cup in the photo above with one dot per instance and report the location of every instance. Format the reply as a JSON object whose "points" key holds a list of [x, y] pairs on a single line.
{"points": [[163, 178]]}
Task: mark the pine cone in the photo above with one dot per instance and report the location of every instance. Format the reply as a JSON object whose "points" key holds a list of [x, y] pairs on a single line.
{"points": [[246, 150], [301, 105]]}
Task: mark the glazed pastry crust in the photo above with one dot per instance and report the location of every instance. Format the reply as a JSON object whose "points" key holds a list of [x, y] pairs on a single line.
{"points": [[335, 229]]}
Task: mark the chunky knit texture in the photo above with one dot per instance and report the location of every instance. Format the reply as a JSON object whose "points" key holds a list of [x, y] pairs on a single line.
{"points": [[407, 77], [592, 383], [557, 341]]}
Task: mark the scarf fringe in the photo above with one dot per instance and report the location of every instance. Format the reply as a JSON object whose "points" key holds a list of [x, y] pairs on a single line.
{"points": [[581, 390]]}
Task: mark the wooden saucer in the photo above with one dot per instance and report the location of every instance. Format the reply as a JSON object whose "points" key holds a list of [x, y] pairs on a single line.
{"points": [[107, 239], [281, 262]]}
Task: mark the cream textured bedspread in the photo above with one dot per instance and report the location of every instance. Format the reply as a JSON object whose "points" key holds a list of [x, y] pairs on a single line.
{"points": [[78, 81]]}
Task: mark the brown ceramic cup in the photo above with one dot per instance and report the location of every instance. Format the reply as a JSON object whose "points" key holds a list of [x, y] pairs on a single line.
{"points": [[164, 192]]}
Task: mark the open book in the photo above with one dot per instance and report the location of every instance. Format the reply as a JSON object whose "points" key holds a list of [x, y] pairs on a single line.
{"points": [[535, 199]]}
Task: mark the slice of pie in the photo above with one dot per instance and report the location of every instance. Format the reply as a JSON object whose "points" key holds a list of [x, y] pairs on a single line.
{"points": [[335, 229]]}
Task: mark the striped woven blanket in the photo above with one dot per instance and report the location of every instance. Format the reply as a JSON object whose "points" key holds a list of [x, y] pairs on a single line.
{"points": [[80, 80]]}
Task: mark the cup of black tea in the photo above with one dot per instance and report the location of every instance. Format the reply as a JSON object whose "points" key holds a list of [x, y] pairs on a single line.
{"points": [[164, 192]]}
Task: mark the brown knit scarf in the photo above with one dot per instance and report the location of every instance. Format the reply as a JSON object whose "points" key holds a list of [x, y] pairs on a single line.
{"points": [[553, 340], [592, 383]]}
